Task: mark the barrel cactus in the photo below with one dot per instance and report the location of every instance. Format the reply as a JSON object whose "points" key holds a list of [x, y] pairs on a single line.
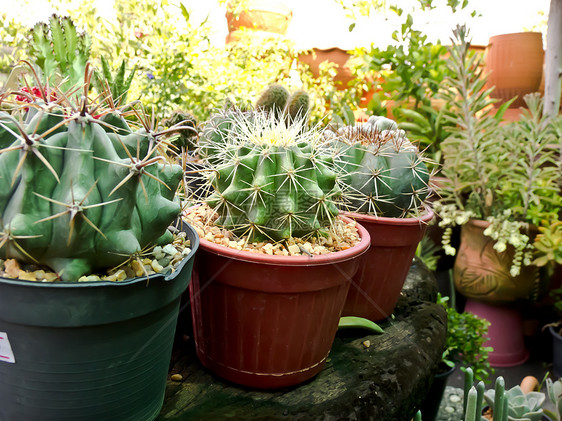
{"points": [[385, 175], [81, 190], [272, 180], [277, 100]]}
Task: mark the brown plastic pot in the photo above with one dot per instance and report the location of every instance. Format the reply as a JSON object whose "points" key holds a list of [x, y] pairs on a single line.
{"points": [[376, 287], [268, 321], [514, 64]]}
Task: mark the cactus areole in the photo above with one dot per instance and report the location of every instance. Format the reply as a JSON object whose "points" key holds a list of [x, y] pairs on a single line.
{"points": [[273, 180], [77, 193]]}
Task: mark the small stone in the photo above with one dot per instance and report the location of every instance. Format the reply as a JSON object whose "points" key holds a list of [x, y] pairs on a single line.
{"points": [[156, 266], [176, 377], [12, 268], [26, 276], [50, 277], [455, 398], [39, 274], [169, 249], [165, 261], [294, 249], [367, 343], [137, 267]]}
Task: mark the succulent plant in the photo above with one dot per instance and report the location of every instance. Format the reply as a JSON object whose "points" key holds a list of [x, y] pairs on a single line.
{"points": [[273, 179], [276, 99], [520, 406], [385, 173], [114, 87], [78, 193], [554, 391], [273, 99], [60, 51]]}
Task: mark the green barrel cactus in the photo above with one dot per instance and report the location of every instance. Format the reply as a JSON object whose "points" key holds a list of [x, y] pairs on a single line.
{"points": [[77, 193], [277, 100], [273, 99], [272, 180], [384, 173]]}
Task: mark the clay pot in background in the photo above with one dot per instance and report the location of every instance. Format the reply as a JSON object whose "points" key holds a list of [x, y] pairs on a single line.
{"points": [[514, 64]]}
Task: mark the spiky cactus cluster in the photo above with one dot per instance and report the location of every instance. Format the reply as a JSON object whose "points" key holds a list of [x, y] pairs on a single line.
{"points": [[273, 180], [384, 173], [80, 189], [277, 100]]}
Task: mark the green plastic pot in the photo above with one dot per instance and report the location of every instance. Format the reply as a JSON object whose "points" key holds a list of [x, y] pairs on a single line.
{"points": [[89, 351]]}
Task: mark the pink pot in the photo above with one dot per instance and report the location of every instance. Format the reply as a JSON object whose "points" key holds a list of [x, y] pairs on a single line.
{"points": [[268, 321], [505, 333], [376, 287]]}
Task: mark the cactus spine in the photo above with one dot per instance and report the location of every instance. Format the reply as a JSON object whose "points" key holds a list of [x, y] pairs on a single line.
{"points": [[78, 194], [385, 173], [273, 180]]}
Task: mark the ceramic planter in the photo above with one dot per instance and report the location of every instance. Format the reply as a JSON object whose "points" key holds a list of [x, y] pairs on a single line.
{"points": [[376, 287], [514, 64], [556, 352], [268, 321], [88, 351], [505, 333], [481, 273]]}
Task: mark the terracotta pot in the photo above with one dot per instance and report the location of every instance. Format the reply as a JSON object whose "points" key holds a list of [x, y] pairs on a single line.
{"points": [[505, 333], [261, 15], [481, 273], [514, 64], [334, 55], [376, 287], [268, 321]]}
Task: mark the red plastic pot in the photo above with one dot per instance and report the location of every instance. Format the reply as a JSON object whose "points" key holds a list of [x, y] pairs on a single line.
{"points": [[268, 321], [376, 287]]}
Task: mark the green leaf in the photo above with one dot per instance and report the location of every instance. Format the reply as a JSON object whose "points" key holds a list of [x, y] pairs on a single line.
{"points": [[184, 12], [351, 27], [359, 323]]}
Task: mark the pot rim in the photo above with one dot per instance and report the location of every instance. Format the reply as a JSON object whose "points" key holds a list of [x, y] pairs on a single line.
{"points": [[316, 260], [425, 218], [119, 284]]}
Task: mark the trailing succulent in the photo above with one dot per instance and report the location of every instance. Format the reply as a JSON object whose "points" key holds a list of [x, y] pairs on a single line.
{"points": [[80, 188], [384, 173], [273, 179]]}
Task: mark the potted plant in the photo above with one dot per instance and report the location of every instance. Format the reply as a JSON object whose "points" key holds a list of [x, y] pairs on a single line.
{"points": [[275, 260], [512, 404], [385, 187], [501, 182], [466, 334], [80, 195]]}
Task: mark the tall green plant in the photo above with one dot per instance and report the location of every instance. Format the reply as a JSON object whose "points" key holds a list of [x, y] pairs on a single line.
{"points": [[505, 174]]}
